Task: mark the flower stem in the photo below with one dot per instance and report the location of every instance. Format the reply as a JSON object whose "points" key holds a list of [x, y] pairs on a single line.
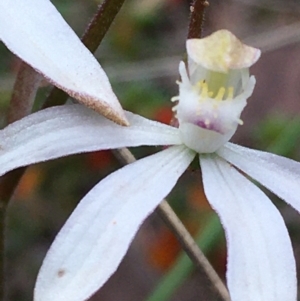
{"points": [[184, 237], [91, 38], [100, 23], [192, 250], [206, 239], [196, 18], [24, 91]]}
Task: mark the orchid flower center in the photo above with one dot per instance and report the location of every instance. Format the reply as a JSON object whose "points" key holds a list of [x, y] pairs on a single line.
{"points": [[215, 87], [219, 93], [213, 90]]}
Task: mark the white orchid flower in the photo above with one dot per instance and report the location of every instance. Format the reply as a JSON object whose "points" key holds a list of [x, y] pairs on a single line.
{"points": [[36, 32], [213, 93]]}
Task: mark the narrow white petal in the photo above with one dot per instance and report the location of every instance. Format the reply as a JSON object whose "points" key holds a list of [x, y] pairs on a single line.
{"points": [[261, 264], [71, 129], [90, 246], [280, 175], [36, 32]]}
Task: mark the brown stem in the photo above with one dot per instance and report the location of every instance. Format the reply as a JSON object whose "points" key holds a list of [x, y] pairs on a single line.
{"points": [[91, 38], [196, 18], [191, 248], [100, 23], [24, 91]]}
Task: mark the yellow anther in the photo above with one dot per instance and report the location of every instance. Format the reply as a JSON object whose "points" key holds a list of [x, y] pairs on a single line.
{"points": [[200, 83], [230, 93], [220, 94], [175, 98], [240, 122], [204, 91]]}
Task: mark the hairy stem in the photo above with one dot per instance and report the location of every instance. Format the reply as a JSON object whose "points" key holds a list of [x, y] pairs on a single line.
{"points": [[197, 18], [100, 23]]}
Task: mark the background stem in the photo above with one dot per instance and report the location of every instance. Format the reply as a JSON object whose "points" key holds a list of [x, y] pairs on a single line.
{"points": [[92, 37], [206, 239], [197, 18]]}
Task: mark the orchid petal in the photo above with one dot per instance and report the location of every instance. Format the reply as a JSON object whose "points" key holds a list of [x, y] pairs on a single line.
{"points": [[261, 264], [280, 175], [90, 246], [36, 32], [71, 129]]}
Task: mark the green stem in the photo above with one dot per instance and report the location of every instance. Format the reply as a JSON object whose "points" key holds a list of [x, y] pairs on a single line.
{"points": [[182, 268]]}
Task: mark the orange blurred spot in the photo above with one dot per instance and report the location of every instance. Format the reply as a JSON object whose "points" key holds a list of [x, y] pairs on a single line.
{"points": [[28, 183], [198, 199], [164, 250], [163, 115], [100, 159], [218, 258]]}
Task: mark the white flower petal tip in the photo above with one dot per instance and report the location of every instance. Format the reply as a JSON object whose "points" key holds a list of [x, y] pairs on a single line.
{"points": [[111, 110], [37, 33], [90, 246], [221, 51], [261, 264]]}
